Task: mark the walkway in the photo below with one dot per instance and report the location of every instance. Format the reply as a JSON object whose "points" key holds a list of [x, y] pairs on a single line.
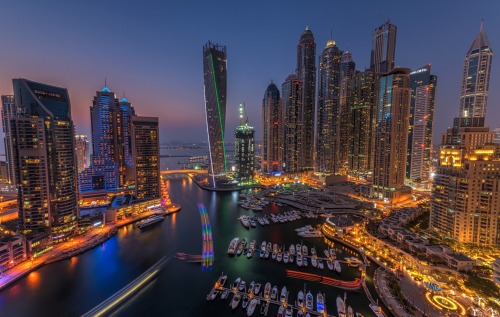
{"points": [[384, 292]]}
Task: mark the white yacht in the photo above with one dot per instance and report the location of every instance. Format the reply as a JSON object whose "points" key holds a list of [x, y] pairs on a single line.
{"points": [[340, 307], [233, 246], [299, 259], [337, 267], [320, 302], [300, 299], [283, 295], [292, 249], [149, 221], [251, 306], [329, 263], [285, 257], [236, 301], [245, 222], [320, 264], [256, 289], [309, 301], [289, 311], [267, 290], [314, 261], [274, 292]]}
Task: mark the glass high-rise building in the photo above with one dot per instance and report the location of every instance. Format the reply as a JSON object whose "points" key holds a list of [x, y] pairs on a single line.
{"points": [[421, 119], [391, 135], [126, 113], [43, 145], [348, 73], [383, 48], [244, 152], [476, 81], [9, 112], [215, 83], [108, 169], [272, 131], [328, 117], [306, 71], [146, 151], [82, 152], [293, 136]]}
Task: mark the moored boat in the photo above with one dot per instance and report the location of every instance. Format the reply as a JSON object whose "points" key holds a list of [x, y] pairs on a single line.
{"points": [[251, 306], [314, 261], [320, 264], [233, 246], [236, 301], [320, 302], [274, 292], [300, 299], [149, 221], [289, 311], [236, 283], [329, 263], [336, 265], [281, 310], [244, 302], [242, 286], [340, 307], [309, 301], [267, 290], [256, 290], [283, 295], [350, 312]]}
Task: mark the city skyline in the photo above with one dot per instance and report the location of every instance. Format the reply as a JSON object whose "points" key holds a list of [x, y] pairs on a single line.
{"points": [[178, 85]]}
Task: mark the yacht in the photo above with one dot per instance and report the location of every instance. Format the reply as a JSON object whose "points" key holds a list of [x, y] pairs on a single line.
{"points": [[336, 265], [263, 246], [332, 253], [236, 283], [309, 301], [279, 257], [310, 234], [260, 221], [289, 311], [253, 223], [274, 292], [300, 299], [304, 261], [221, 281], [314, 261], [233, 245], [251, 287], [281, 310], [256, 289], [285, 257], [252, 244], [377, 310], [292, 249], [149, 221], [224, 294], [245, 222], [340, 307], [262, 253], [266, 221], [320, 264], [213, 294], [267, 290], [244, 303], [298, 248], [249, 253], [327, 254], [299, 259], [268, 247], [236, 301], [275, 248], [329, 263], [251, 307], [350, 312], [304, 250], [242, 286], [320, 302], [313, 251], [283, 294]]}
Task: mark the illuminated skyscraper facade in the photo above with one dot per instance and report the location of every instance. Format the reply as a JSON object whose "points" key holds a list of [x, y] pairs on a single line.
{"points": [[244, 152], [348, 72], [9, 112], [82, 152], [391, 135], [272, 131], [421, 119], [292, 108], [215, 81], [43, 145], [306, 71], [328, 120], [146, 151], [383, 48]]}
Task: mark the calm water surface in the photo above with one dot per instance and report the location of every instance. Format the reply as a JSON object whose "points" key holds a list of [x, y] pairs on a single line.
{"points": [[74, 286]]}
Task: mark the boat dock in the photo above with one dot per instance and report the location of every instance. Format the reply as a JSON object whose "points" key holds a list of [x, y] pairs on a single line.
{"points": [[268, 301]]}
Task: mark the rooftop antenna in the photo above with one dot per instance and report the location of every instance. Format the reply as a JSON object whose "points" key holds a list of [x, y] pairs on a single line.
{"points": [[481, 27], [105, 84]]}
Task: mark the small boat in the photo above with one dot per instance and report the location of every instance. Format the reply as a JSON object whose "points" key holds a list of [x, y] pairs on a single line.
{"points": [[292, 249], [377, 310], [268, 247], [298, 248], [236, 301], [213, 294], [332, 253], [244, 303], [350, 312], [266, 221], [253, 223], [289, 311], [299, 259], [290, 259], [313, 251], [273, 256], [262, 253], [304, 250], [340, 307], [320, 303], [336, 265], [149, 221], [275, 248], [286, 257], [236, 283], [252, 245], [327, 254], [329, 263], [304, 261], [283, 294], [251, 307], [309, 301], [314, 261], [233, 246], [245, 222], [266, 255], [256, 290], [242, 286], [300, 299], [221, 281], [267, 289], [274, 292], [224, 294], [249, 253], [251, 287], [281, 310], [279, 257], [261, 221], [263, 246], [320, 264]]}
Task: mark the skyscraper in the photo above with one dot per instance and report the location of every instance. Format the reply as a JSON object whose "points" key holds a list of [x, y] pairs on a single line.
{"points": [[476, 81], [126, 113], [421, 120], [362, 118], [293, 136], [45, 167], [108, 169], [328, 124], [306, 71], [82, 152], [272, 131], [391, 135], [9, 112], [383, 48], [466, 187], [215, 81], [348, 73], [146, 151], [244, 149]]}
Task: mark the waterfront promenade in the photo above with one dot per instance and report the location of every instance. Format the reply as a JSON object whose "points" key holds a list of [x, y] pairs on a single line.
{"points": [[75, 246]]}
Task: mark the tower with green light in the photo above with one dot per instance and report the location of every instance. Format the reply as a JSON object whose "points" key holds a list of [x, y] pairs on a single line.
{"points": [[215, 84]]}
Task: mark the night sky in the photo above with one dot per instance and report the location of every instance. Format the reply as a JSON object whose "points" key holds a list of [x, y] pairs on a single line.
{"points": [[153, 51]]}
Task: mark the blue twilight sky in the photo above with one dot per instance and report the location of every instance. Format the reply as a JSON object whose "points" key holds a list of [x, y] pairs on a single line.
{"points": [[152, 50]]}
